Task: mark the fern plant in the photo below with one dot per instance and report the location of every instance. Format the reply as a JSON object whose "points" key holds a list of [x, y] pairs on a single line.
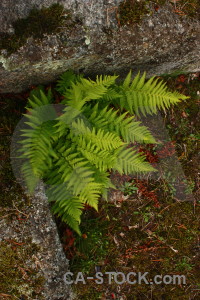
{"points": [[74, 150]]}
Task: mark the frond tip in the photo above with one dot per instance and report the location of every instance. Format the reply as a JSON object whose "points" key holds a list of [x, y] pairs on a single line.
{"points": [[147, 97], [130, 162]]}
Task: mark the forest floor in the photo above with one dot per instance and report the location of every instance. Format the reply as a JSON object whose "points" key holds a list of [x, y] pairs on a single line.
{"points": [[147, 225]]}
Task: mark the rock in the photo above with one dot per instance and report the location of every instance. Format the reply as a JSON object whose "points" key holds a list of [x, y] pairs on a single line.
{"points": [[49, 261], [52, 260], [92, 42]]}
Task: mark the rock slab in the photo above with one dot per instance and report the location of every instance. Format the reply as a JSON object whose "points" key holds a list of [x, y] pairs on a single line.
{"points": [[163, 42], [49, 261]]}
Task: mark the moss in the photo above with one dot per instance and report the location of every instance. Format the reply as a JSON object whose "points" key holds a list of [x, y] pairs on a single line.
{"points": [[18, 280], [132, 11], [189, 8], [47, 20], [173, 74], [40, 22], [11, 42], [11, 191], [146, 247], [10, 114]]}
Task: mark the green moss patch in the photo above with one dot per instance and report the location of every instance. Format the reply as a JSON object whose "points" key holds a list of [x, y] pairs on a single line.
{"points": [[133, 12], [18, 281], [47, 20]]}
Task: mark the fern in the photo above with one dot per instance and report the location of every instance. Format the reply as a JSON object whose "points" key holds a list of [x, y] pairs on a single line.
{"points": [[146, 97], [74, 152], [66, 81], [131, 162], [38, 98], [86, 90], [126, 127]]}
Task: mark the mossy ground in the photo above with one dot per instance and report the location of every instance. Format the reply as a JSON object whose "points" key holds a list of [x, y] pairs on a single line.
{"points": [[132, 12], [188, 8], [47, 20], [183, 123], [152, 231], [11, 111], [18, 281]]}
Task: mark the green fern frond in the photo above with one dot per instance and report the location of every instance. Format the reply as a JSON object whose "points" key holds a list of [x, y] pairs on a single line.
{"points": [[106, 80], [91, 193], [72, 206], [65, 120], [108, 119], [103, 140], [92, 89], [75, 96], [87, 90], [147, 97], [38, 98], [70, 210], [34, 147], [83, 91], [102, 159], [66, 203], [111, 95], [80, 177], [129, 162], [72, 222], [66, 80], [31, 180], [127, 80], [135, 132]]}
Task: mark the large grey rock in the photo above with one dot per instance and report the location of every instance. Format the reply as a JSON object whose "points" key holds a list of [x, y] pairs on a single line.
{"points": [[162, 43], [49, 260]]}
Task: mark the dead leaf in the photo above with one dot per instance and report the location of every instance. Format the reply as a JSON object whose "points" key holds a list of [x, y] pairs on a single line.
{"points": [[184, 115], [116, 241], [134, 226]]}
